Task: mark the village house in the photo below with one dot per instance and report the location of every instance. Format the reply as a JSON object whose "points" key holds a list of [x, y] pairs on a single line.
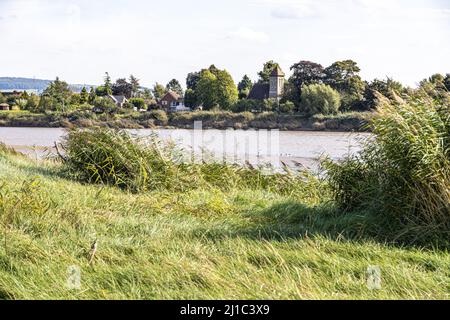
{"points": [[172, 102], [4, 106], [118, 100], [272, 90]]}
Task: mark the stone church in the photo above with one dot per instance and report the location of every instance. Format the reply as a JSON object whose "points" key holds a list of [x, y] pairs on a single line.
{"points": [[272, 90]]}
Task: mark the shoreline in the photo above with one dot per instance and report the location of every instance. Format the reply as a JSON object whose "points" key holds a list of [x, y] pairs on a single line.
{"points": [[345, 122]]}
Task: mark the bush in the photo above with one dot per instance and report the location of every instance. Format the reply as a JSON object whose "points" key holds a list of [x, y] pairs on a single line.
{"points": [[287, 107], [319, 98], [404, 174], [116, 158], [105, 104], [249, 105], [160, 116], [138, 103]]}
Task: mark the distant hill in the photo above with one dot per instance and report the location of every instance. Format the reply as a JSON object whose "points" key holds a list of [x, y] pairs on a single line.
{"points": [[10, 83]]}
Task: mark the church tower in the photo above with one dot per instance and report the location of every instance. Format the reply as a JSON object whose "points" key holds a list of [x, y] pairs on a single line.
{"points": [[276, 83]]}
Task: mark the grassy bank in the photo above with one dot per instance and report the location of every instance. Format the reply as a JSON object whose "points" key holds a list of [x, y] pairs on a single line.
{"points": [[243, 241], [352, 121]]}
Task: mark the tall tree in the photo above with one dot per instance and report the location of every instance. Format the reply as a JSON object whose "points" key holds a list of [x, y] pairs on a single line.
{"points": [[175, 86], [206, 90], [107, 84], [192, 80], [84, 96], [92, 96], [122, 88], [304, 73], [227, 93], [159, 91], [264, 75], [343, 76], [244, 87], [56, 96], [134, 86]]}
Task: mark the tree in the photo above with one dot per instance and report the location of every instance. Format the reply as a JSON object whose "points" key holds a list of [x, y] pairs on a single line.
{"points": [[101, 91], [92, 96], [105, 104], [206, 89], [107, 84], [388, 88], [264, 75], [190, 99], [192, 80], [32, 103], [84, 96], [319, 98], [138, 103], [244, 87], [343, 77], [147, 94], [56, 96], [216, 89], [226, 90], [159, 91], [2, 98], [175, 86], [122, 88], [134, 85], [304, 73]]}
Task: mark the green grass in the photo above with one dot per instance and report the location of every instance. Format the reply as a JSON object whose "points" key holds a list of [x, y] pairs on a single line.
{"points": [[204, 243]]}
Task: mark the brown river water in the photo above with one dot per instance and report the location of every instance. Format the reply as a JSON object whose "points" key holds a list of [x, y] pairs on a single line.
{"points": [[295, 148]]}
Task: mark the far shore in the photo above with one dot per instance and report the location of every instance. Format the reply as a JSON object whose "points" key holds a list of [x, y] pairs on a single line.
{"points": [[157, 119]]}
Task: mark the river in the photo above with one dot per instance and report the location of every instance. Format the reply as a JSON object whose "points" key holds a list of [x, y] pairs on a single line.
{"points": [[295, 148]]}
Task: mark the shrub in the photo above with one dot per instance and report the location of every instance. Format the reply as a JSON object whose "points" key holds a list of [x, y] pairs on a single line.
{"points": [[138, 103], [114, 157], [404, 173], [319, 98], [105, 104], [287, 107], [160, 116]]}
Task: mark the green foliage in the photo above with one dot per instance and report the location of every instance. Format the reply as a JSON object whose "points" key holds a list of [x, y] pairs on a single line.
{"points": [[101, 91], [303, 73], [175, 86], [107, 85], [2, 98], [404, 174], [122, 88], [116, 158], [160, 116], [159, 91], [138, 103], [32, 103], [343, 76], [244, 87], [56, 97], [84, 96], [287, 107], [247, 105], [264, 75], [105, 104], [135, 88], [190, 99], [319, 98], [216, 88], [206, 89]]}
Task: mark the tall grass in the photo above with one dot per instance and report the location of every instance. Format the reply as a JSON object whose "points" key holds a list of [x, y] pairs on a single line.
{"points": [[404, 173], [114, 157]]}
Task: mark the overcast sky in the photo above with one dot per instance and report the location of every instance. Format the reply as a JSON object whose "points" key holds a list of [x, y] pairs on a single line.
{"points": [[78, 40]]}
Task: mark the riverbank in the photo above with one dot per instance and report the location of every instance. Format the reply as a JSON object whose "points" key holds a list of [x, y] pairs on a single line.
{"points": [[202, 243], [126, 119]]}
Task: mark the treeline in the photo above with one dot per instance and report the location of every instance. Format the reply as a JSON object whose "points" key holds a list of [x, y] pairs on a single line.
{"points": [[311, 89]]}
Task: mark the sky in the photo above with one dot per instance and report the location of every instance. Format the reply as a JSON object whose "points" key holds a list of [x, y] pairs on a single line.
{"points": [[78, 40]]}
